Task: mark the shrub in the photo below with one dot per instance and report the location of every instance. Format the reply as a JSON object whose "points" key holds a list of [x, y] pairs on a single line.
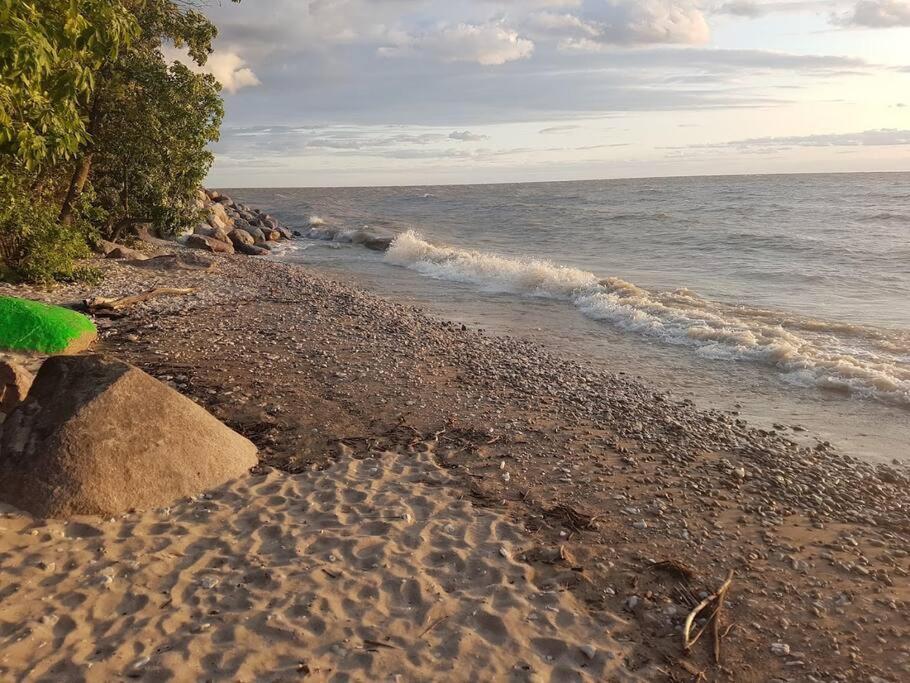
{"points": [[34, 246]]}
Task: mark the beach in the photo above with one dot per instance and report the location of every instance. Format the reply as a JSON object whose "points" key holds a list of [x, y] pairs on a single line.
{"points": [[436, 502]]}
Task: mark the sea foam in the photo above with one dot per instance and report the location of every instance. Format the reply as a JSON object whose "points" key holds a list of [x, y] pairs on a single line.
{"points": [[860, 360]]}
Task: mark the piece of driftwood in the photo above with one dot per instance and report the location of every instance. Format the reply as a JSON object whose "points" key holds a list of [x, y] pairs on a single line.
{"points": [[104, 304], [716, 599]]}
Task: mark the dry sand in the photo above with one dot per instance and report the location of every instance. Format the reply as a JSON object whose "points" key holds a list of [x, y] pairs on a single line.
{"points": [[372, 569]]}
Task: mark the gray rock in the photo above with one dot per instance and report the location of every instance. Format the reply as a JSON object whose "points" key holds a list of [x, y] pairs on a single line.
{"points": [[257, 234], [239, 237], [378, 243]]}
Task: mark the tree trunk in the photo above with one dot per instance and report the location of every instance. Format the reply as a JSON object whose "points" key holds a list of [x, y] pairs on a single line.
{"points": [[77, 184], [84, 166]]}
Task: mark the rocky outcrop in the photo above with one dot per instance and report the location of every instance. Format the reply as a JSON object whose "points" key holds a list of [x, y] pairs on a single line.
{"points": [[227, 221], [98, 436], [15, 381]]}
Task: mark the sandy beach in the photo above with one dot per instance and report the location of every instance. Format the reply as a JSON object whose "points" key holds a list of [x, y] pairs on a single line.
{"points": [[436, 503]]}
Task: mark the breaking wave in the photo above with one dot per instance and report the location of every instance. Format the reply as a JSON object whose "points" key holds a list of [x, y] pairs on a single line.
{"points": [[859, 360]]}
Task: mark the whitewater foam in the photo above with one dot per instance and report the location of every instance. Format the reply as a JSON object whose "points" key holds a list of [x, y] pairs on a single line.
{"points": [[861, 360]]}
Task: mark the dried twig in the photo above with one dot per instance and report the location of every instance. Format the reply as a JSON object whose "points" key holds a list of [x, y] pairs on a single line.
{"points": [[376, 643], [433, 625], [717, 599]]}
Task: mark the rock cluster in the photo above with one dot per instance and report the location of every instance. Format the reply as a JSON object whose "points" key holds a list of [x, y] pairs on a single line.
{"points": [[232, 227]]}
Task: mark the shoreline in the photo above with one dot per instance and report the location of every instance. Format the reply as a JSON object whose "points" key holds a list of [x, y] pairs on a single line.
{"points": [[611, 473]]}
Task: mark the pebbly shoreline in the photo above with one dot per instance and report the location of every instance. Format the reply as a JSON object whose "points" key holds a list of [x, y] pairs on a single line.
{"points": [[607, 471]]}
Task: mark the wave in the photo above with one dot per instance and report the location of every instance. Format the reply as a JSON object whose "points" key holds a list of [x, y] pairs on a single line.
{"points": [[862, 361], [368, 236]]}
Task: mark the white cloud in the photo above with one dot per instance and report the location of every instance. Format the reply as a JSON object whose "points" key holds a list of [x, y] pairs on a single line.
{"points": [[563, 24], [467, 136], [877, 14], [599, 23], [231, 71], [487, 44], [885, 137], [228, 67]]}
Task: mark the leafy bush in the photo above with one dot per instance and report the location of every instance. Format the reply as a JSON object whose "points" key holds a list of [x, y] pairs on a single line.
{"points": [[34, 246]]}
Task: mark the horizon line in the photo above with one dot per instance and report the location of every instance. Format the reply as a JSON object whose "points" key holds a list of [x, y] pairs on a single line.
{"points": [[552, 182]]}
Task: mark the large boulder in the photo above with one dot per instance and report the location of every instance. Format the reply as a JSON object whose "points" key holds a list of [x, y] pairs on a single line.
{"points": [[218, 217], [33, 326], [97, 436], [240, 237], [220, 235], [15, 381], [284, 232], [258, 235], [378, 242], [209, 244]]}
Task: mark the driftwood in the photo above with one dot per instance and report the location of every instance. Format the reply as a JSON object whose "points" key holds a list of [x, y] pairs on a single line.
{"points": [[717, 599], [104, 304]]}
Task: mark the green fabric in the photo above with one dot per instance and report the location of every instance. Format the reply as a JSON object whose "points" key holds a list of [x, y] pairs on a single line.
{"points": [[32, 326]]}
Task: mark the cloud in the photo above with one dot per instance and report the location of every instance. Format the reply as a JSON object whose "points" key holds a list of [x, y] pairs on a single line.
{"points": [[753, 9], [558, 129], [298, 139], [550, 23], [489, 44], [467, 136], [228, 67], [231, 71], [638, 22], [876, 14], [884, 137]]}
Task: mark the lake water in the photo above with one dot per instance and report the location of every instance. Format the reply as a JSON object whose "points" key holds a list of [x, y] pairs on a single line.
{"points": [[785, 298]]}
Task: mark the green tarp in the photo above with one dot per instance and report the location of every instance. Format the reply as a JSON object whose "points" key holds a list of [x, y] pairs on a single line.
{"points": [[33, 326]]}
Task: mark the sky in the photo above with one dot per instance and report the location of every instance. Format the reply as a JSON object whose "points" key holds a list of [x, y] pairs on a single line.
{"points": [[397, 92]]}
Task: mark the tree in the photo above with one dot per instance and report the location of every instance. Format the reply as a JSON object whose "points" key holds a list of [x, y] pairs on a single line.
{"points": [[151, 123], [151, 159], [50, 51], [96, 128]]}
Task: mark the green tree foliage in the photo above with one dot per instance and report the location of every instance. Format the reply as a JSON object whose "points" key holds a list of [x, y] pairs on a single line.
{"points": [[98, 131], [50, 51], [150, 159], [34, 245]]}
